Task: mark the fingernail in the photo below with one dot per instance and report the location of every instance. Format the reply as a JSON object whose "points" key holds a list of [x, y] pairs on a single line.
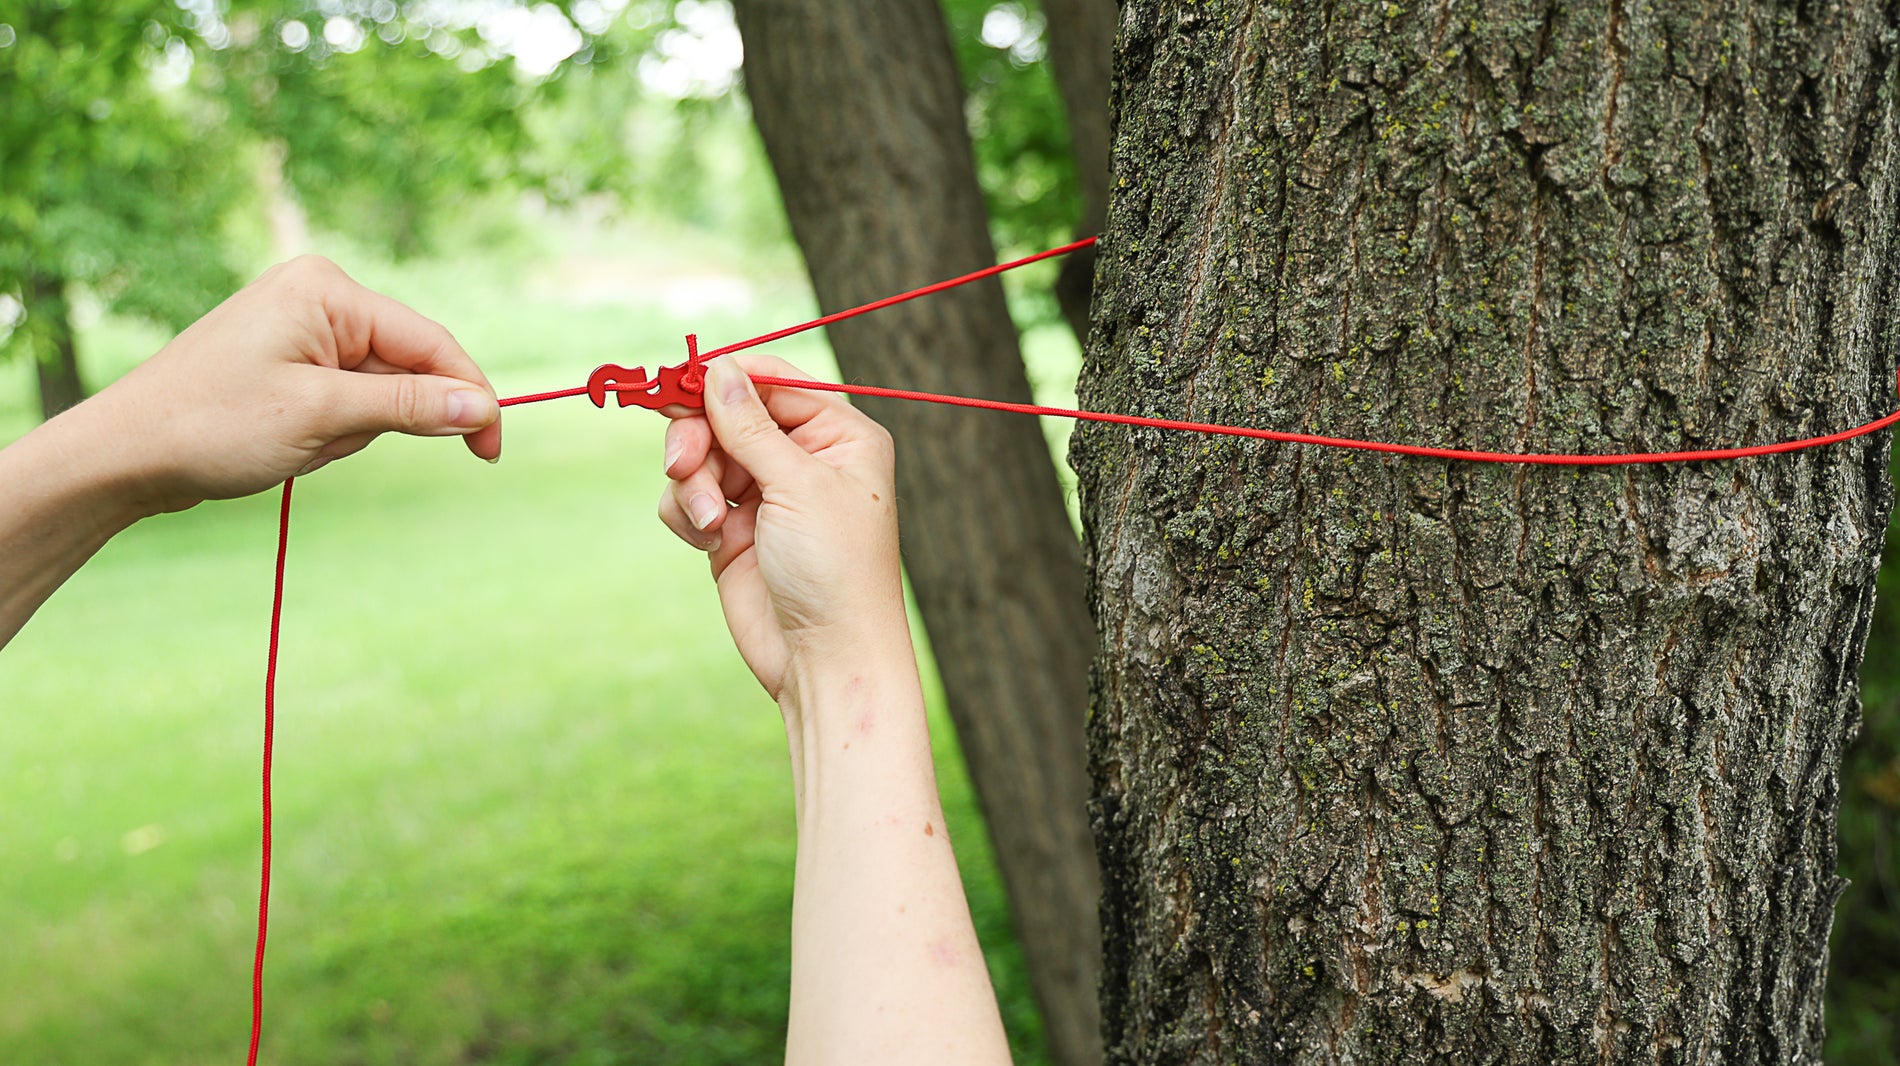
{"points": [[672, 455], [703, 509], [495, 460], [713, 543], [469, 409]]}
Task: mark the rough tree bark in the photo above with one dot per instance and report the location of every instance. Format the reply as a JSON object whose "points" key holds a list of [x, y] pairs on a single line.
{"points": [[861, 110], [1081, 47], [56, 360], [1403, 761]]}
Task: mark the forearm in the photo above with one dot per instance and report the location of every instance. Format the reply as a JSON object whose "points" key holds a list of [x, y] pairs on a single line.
{"points": [[60, 501], [886, 967]]}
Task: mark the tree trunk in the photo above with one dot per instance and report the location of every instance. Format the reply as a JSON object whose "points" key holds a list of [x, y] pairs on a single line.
{"points": [[55, 351], [861, 111], [1081, 47], [1407, 761]]}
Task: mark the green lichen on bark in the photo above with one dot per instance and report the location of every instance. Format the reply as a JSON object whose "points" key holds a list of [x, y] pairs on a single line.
{"points": [[1405, 761]]}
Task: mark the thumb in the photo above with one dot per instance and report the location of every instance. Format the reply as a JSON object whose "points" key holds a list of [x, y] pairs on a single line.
{"points": [[746, 430], [425, 405]]}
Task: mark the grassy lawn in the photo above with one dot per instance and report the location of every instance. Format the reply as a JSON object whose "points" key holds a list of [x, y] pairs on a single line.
{"points": [[530, 805]]}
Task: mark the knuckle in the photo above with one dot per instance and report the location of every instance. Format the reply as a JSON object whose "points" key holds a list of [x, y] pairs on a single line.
{"points": [[309, 269], [406, 401], [758, 429], [440, 338], [882, 444], [297, 288]]}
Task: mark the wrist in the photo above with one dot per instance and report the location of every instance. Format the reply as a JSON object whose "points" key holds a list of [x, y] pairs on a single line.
{"points": [[860, 741], [60, 510], [825, 665], [83, 471]]}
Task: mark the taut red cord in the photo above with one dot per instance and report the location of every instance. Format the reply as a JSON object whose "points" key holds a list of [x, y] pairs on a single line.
{"points": [[665, 387], [826, 320], [683, 384], [1423, 451]]}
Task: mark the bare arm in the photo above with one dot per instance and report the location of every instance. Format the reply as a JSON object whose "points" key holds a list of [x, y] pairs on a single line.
{"points": [[300, 367], [885, 962], [63, 501]]}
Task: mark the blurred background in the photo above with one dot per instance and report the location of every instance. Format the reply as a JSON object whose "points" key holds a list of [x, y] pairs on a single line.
{"points": [[528, 809]]}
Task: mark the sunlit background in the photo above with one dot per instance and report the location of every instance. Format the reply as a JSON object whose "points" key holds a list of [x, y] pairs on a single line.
{"points": [[531, 807]]}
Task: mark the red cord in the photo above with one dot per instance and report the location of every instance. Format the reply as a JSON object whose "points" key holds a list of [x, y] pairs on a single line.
{"points": [[1532, 458], [537, 397], [270, 729], [696, 358], [878, 305]]}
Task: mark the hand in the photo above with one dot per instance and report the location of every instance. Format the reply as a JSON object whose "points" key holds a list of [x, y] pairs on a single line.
{"points": [[790, 492], [300, 367]]}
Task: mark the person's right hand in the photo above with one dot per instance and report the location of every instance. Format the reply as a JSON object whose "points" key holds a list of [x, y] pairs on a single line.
{"points": [[791, 496], [790, 492]]}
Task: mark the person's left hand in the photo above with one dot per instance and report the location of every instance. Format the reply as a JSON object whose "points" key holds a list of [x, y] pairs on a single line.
{"points": [[300, 367]]}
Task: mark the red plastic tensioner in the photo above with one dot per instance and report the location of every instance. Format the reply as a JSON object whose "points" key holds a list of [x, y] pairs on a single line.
{"points": [[684, 384]]}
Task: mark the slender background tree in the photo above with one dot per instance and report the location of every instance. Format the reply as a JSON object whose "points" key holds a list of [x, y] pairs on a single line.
{"points": [[861, 109]]}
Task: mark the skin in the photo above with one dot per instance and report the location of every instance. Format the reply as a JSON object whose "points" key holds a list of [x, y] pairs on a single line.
{"points": [[790, 494], [301, 367], [793, 494]]}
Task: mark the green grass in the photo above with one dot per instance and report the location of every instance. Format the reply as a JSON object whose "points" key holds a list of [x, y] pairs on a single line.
{"points": [[530, 805]]}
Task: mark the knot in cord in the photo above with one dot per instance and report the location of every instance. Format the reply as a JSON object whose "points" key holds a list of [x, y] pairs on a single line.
{"points": [[694, 378]]}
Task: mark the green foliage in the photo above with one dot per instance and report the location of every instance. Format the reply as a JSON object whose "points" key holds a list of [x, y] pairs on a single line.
{"points": [[398, 132], [383, 142], [400, 137], [696, 161], [1020, 134], [1017, 123], [581, 130], [111, 183], [131, 131]]}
